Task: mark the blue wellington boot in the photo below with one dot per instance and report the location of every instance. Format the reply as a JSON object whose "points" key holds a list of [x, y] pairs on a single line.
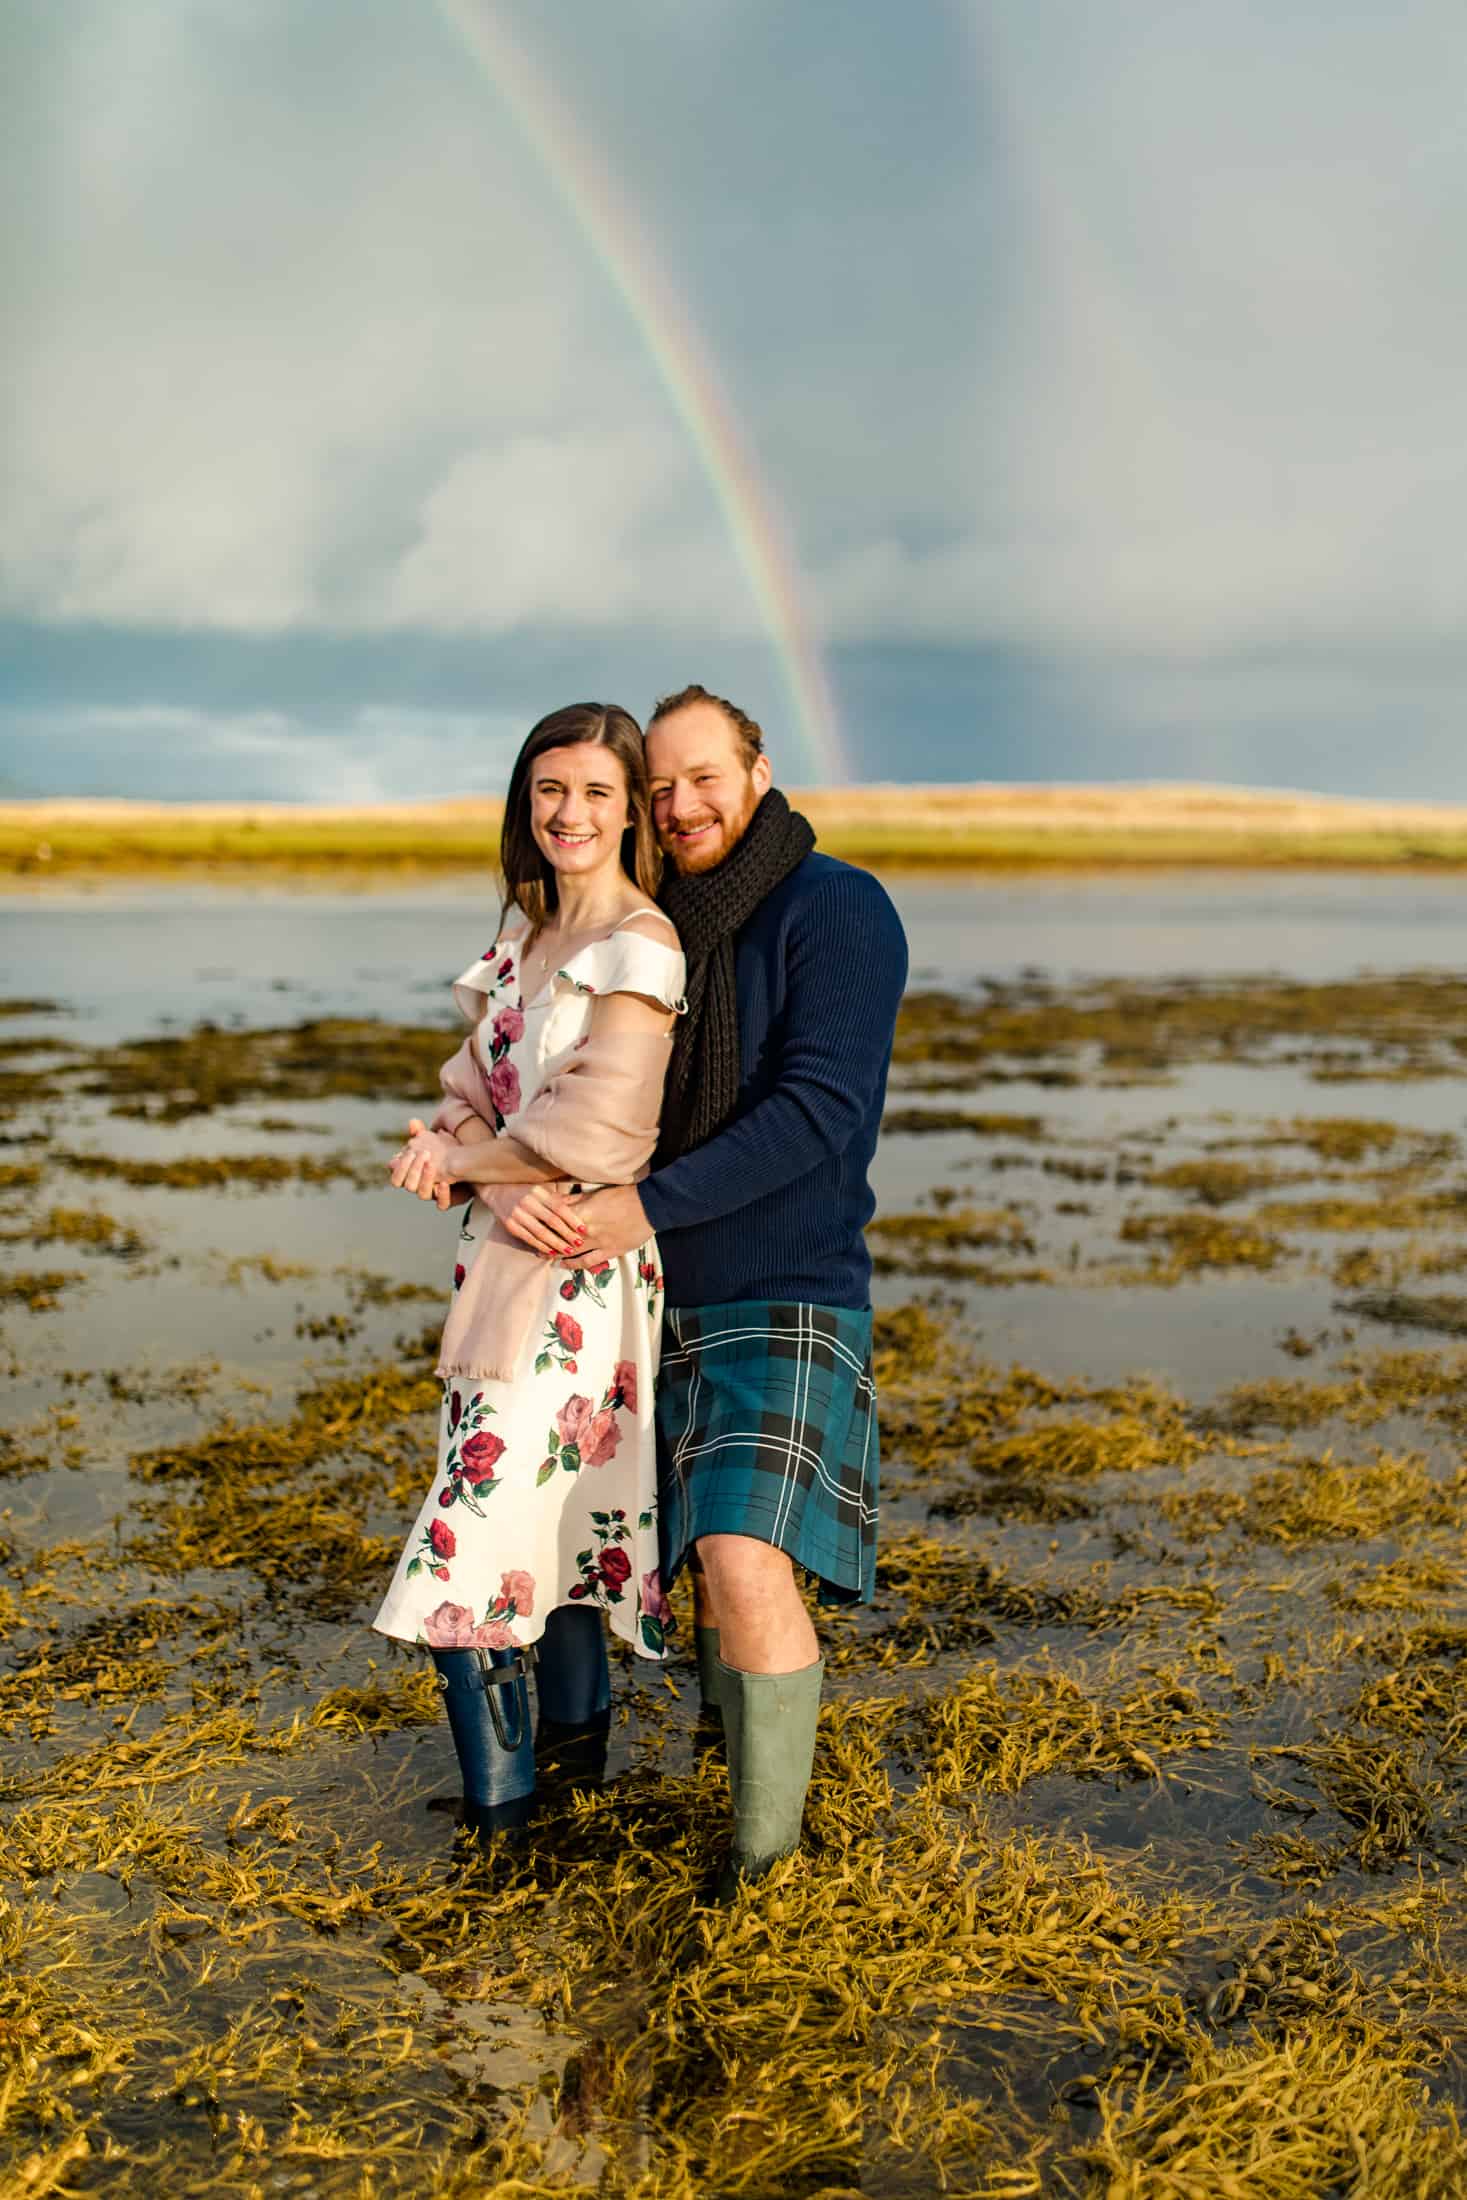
{"points": [[488, 1708], [573, 1685]]}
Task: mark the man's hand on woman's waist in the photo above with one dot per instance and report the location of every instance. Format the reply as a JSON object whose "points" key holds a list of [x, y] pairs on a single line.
{"points": [[614, 1221]]}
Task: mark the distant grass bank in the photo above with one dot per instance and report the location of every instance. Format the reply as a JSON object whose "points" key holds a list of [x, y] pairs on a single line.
{"points": [[887, 827]]}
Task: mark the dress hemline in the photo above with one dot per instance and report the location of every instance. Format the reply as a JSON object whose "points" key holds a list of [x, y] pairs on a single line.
{"points": [[650, 1657]]}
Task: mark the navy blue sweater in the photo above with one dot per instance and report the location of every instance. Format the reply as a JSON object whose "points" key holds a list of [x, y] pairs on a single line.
{"points": [[775, 1205]]}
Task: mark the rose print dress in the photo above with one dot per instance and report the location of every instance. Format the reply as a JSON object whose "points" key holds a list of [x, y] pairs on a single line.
{"points": [[546, 1486]]}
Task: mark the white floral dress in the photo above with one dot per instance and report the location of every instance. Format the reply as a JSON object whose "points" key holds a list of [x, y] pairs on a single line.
{"points": [[546, 1487]]}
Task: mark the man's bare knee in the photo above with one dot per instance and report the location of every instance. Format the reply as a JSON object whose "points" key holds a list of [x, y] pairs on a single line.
{"points": [[735, 1563], [762, 1622]]}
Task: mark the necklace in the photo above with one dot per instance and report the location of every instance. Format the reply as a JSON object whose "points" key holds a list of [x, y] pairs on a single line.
{"points": [[552, 948]]}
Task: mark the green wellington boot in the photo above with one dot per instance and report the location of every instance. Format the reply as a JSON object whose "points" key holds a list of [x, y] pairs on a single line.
{"points": [[705, 1646], [769, 1722], [708, 1734]]}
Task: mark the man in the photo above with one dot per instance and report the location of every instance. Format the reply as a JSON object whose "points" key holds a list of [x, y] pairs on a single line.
{"points": [[759, 1197]]}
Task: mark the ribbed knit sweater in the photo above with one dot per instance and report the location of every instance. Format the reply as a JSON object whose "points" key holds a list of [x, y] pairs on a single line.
{"points": [[775, 1205]]}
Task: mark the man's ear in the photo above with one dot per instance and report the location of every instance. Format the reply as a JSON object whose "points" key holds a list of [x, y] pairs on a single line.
{"points": [[762, 774]]}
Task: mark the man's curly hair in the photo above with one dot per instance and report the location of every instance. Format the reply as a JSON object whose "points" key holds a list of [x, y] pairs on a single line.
{"points": [[750, 734]]}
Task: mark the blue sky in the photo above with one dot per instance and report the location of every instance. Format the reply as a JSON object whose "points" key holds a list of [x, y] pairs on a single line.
{"points": [[1109, 365]]}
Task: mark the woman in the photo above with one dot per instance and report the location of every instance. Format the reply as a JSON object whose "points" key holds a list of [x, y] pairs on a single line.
{"points": [[543, 1509]]}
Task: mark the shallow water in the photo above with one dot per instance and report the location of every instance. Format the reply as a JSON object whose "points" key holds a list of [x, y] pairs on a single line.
{"points": [[129, 957], [214, 1925]]}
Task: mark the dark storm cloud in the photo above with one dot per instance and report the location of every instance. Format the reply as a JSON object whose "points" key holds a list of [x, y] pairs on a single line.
{"points": [[1108, 366]]}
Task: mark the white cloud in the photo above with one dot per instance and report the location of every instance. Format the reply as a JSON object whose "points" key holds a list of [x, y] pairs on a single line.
{"points": [[305, 341], [1232, 408], [310, 346], [582, 523], [374, 754]]}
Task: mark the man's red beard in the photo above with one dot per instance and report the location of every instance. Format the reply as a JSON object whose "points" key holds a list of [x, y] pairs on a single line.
{"points": [[719, 847], [692, 858]]}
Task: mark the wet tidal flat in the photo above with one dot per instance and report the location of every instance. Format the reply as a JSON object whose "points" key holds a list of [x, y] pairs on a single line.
{"points": [[1135, 1849]]}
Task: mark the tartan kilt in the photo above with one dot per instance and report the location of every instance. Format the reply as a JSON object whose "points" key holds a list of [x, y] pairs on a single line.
{"points": [[766, 1426]]}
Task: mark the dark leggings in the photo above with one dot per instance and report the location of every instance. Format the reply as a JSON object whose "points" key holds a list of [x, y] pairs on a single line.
{"points": [[572, 1677]]}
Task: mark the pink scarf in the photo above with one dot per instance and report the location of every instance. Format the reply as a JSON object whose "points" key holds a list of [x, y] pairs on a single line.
{"points": [[594, 1122]]}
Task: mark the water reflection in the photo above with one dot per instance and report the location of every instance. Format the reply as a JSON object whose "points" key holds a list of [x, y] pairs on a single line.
{"points": [[126, 959]]}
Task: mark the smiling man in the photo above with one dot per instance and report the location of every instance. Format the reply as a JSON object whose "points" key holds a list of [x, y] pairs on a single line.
{"points": [[766, 1410]]}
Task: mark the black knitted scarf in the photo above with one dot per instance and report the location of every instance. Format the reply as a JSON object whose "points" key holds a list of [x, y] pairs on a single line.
{"points": [[708, 908]]}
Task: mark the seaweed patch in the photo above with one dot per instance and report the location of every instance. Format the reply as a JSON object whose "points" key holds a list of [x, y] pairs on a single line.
{"points": [[1132, 1849]]}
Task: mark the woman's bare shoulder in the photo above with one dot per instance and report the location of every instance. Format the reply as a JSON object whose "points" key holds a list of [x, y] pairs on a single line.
{"points": [[648, 923]]}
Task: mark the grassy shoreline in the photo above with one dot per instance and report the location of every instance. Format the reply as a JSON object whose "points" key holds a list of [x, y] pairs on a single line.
{"points": [[891, 827]]}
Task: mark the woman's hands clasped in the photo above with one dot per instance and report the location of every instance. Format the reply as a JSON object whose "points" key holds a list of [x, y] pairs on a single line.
{"points": [[539, 1215], [424, 1163]]}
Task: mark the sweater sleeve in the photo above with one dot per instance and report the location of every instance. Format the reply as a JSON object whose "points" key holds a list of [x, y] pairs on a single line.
{"points": [[845, 973]]}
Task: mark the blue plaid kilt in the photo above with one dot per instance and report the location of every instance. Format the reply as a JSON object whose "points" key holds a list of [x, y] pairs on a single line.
{"points": [[766, 1426]]}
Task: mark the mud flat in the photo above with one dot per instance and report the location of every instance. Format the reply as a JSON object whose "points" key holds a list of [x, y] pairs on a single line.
{"points": [[973, 826], [1135, 1847]]}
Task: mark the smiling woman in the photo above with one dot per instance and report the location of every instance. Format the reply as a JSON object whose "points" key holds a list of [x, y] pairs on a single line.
{"points": [[596, 768], [525, 1538]]}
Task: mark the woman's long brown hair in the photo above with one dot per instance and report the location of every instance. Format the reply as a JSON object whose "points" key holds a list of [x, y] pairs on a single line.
{"points": [[529, 879]]}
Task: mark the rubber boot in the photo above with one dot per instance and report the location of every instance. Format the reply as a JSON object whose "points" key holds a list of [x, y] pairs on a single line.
{"points": [[705, 1644], [573, 1686], [708, 1733], [769, 1720], [488, 1708]]}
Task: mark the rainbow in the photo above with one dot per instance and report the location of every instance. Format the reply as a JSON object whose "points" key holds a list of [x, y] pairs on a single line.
{"points": [[683, 362]]}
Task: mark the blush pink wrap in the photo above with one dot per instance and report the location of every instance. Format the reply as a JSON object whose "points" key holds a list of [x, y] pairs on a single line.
{"points": [[594, 1122]]}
